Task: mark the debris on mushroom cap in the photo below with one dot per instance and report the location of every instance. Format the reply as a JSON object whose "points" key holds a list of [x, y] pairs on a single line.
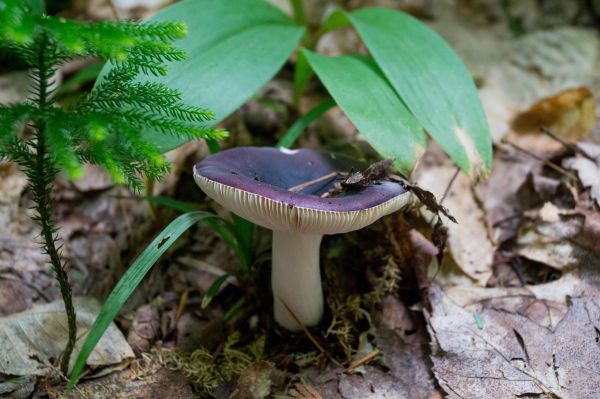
{"points": [[254, 182], [359, 180]]}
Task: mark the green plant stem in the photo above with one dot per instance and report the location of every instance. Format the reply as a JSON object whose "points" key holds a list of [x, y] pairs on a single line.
{"points": [[299, 15], [293, 133], [41, 178], [149, 189]]}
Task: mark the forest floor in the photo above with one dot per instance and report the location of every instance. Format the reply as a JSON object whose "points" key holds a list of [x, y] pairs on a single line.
{"points": [[511, 308]]}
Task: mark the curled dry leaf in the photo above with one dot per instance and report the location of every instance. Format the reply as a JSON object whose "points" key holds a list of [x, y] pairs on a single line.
{"points": [[569, 114], [31, 341]]}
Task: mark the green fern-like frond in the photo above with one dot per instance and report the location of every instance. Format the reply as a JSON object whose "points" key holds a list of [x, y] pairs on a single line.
{"points": [[106, 126]]}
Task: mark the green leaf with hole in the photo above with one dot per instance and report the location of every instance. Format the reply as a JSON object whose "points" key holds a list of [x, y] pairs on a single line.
{"points": [[234, 47], [129, 282], [367, 98], [237, 235], [433, 83]]}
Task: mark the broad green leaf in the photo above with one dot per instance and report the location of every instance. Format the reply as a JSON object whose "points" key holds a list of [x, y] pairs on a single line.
{"points": [[363, 93], [234, 47], [129, 282], [291, 135], [433, 83]]}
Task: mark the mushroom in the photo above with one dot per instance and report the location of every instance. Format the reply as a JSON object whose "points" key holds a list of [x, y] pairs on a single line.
{"points": [[255, 182]]}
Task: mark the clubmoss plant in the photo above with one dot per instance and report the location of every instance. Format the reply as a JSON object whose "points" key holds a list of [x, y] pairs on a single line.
{"points": [[105, 127]]}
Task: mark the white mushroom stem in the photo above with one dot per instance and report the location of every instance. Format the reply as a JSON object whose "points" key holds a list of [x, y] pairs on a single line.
{"points": [[296, 279]]}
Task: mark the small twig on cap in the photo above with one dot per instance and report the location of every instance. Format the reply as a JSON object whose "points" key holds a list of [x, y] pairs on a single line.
{"points": [[372, 355], [309, 183]]}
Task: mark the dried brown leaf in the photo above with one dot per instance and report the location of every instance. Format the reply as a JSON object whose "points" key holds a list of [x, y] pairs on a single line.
{"points": [[255, 382], [30, 341], [509, 355]]}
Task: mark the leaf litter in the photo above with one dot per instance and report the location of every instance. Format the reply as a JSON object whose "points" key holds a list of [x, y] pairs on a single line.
{"points": [[32, 341], [542, 330], [538, 337]]}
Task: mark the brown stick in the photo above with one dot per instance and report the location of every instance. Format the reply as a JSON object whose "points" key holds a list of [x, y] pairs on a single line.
{"points": [[309, 183], [364, 360], [304, 329], [551, 165], [568, 146], [449, 186]]}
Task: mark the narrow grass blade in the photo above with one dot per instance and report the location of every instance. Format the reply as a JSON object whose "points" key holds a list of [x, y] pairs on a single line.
{"points": [[302, 74], [290, 137], [213, 145], [180, 206], [233, 235], [129, 282], [213, 290], [244, 231]]}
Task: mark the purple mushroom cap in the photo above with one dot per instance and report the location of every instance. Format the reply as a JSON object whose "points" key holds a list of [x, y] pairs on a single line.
{"points": [[254, 182], [270, 172]]}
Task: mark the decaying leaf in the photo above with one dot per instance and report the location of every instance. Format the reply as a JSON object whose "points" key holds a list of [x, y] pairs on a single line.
{"points": [[548, 242], [162, 383], [539, 67], [32, 341], [256, 381], [512, 355], [145, 328], [408, 374], [569, 114]]}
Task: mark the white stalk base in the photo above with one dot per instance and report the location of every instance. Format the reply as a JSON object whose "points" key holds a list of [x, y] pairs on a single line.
{"points": [[296, 279]]}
